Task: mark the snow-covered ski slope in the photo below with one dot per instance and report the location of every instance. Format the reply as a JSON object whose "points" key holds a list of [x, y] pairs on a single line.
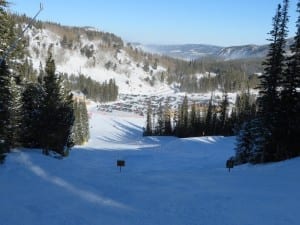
{"points": [[166, 181]]}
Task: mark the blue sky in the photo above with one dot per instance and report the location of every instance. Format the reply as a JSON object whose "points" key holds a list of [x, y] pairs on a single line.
{"points": [[217, 22]]}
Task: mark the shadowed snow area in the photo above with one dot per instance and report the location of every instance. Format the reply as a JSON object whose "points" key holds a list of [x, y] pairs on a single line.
{"points": [[166, 181]]}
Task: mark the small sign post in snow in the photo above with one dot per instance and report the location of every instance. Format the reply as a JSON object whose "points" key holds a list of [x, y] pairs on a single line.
{"points": [[120, 163], [229, 164]]}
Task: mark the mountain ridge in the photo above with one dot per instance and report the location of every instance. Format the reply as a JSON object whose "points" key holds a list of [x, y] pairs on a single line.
{"points": [[198, 51]]}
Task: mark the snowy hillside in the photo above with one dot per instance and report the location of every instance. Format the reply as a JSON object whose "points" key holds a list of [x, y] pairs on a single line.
{"points": [[128, 73], [241, 52], [166, 181]]}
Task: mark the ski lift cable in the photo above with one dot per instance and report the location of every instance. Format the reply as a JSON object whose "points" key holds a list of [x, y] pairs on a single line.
{"points": [[13, 46]]}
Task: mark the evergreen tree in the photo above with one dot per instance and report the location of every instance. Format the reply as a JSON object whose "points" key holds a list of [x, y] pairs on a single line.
{"points": [[57, 112], [77, 134], [250, 140], [167, 119], [15, 118], [10, 50], [208, 118], [159, 130], [223, 125], [214, 123], [5, 99], [148, 131], [244, 144], [5, 38], [32, 129], [182, 125], [11, 54], [268, 100], [84, 121], [193, 120], [290, 101], [266, 127]]}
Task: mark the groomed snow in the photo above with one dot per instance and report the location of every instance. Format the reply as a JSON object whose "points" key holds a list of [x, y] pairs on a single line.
{"points": [[166, 181]]}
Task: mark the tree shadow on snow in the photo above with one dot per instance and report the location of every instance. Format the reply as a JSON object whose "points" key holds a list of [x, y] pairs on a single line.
{"points": [[129, 134]]}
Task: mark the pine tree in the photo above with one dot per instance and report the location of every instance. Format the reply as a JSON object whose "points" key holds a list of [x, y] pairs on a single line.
{"points": [[167, 119], [208, 118], [15, 118], [159, 130], [57, 112], [250, 142], [265, 128], [84, 120], [224, 129], [290, 100], [268, 98], [193, 120], [5, 38], [269, 101], [32, 129], [10, 50], [148, 130], [244, 144], [5, 78], [182, 126], [5, 98], [77, 129]]}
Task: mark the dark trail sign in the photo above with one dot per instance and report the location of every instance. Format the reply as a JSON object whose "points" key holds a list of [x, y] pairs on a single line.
{"points": [[121, 163]]}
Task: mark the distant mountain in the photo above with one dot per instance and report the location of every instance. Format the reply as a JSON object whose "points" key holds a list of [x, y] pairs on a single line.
{"points": [[186, 51], [196, 51]]}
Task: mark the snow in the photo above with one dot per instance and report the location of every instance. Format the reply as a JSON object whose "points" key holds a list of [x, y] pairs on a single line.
{"points": [[166, 181]]}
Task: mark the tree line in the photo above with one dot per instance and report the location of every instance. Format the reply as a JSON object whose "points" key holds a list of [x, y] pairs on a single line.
{"points": [[101, 92], [200, 119]]}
